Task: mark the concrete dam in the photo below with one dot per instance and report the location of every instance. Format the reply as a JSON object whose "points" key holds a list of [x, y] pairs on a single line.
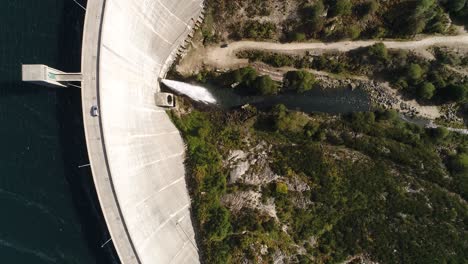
{"points": [[136, 154]]}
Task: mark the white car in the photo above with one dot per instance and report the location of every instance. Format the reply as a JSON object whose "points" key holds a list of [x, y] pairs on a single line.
{"points": [[94, 110]]}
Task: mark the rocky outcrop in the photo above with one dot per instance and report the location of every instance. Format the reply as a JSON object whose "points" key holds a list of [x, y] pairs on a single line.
{"points": [[250, 167], [249, 199]]}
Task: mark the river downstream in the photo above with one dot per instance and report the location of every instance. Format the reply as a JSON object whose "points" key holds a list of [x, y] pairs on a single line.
{"points": [[338, 100]]}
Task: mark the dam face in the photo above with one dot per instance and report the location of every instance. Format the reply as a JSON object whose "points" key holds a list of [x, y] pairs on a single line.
{"points": [[136, 153]]}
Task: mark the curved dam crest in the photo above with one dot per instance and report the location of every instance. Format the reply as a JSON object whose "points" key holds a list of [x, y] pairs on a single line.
{"points": [[136, 153]]}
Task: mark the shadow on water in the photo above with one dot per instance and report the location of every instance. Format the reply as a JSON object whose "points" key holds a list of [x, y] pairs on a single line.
{"points": [[71, 135]]}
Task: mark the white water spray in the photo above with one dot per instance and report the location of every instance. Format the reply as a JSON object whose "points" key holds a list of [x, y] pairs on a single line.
{"points": [[197, 93]]}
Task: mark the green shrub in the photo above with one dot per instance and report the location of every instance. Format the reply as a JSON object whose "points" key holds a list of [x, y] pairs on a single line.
{"points": [[279, 60], [281, 188], [459, 163], [353, 32], [362, 121], [298, 36], [377, 32], [454, 5], [243, 76], [311, 16], [249, 83], [415, 72], [440, 133], [378, 52], [218, 225], [370, 7], [259, 30], [311, 12], [358, 189], [311, 129], [342, 8], [457, 93], [388, 115], [299, 81], [288, 121], [264, 85], [426, 91]]}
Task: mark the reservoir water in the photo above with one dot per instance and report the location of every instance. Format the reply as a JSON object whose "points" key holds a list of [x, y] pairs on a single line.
{"points": [[48, 208]]}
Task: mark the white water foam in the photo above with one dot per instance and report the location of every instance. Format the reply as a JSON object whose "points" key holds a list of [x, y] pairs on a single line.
{"points": [[197, 93]]}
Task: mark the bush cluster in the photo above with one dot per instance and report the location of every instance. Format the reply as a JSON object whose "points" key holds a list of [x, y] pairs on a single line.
{"points": [[370, 202], [247, 81]]}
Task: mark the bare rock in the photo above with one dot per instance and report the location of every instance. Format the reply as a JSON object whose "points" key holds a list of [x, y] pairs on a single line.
{"points": [[249, 199], [251, 167]]}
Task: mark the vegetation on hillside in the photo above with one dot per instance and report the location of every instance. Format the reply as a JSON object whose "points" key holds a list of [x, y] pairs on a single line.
{"points": [[374, 186], [276, 184], [425, 80], [329, 20], [299, 81], [247, 81]]}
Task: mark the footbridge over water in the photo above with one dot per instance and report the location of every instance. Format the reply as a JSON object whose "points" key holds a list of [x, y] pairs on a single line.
{"points": [[136, 154]]}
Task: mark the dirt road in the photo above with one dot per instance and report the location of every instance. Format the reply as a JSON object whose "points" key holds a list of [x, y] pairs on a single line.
{"points": [[225, 58], [218, 57]]}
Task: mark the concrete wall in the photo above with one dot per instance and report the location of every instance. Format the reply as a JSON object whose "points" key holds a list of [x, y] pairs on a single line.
{"points": [[136, 153]]}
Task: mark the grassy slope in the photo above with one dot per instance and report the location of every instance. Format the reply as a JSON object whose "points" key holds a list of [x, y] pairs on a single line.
{"points": [[390, 197], [296, 20]]}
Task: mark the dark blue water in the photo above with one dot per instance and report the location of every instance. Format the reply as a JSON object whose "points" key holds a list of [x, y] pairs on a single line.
{"points": [[48, 210]]}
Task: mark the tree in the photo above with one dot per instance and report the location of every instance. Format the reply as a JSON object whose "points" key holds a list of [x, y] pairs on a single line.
{"points": [[354, 32], [320, 62], [218, 225], [418, 25], [311, 16], [281, 188], [279, 110], [378, 51], [311, 128], [244, 75], [286, 121], [298, 36], [455, 5], [258, 30], [426, 91], [312, 12], [264, 85], [293, 122], [389, 114], [377, 32], [422, 6], [370, 7], [415, 72], [457, 93], [314, 26], [460, 162], [300, 81], [342, 8], [439, 23], [362, 121], [440, 133]]}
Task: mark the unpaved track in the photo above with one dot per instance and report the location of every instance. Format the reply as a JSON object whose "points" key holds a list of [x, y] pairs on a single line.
{"points": [[225, 58], [218, 57]]}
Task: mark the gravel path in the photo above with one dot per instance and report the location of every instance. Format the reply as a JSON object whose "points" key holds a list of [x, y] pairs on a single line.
{"points": [[226, 57]]}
